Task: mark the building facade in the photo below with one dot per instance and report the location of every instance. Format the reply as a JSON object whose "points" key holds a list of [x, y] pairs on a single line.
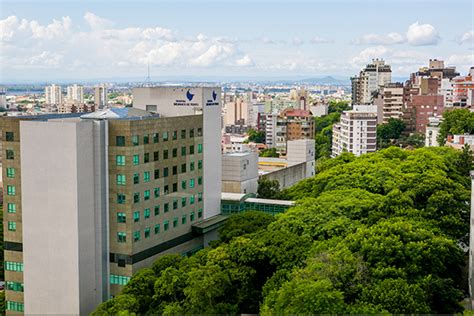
{"points": [[75, 94], [53, 95], [101, 96]]}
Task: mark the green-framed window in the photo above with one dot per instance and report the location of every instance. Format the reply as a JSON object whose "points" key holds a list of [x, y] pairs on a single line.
{"points": [[146, 213], [146, 157], [200, 180], [156, 192], [183, 168], [11, 207], [175, 204], [156, 138], [157, 173], [191, 199], [199, 197], [156, 156], [12, 226], [136, 197], [9, 136], [183, 151], [136, 216], [146, 195], [165, 154], [119, 140], [14, 306], [10, 172], [175, 135], [165, 136], [191, 183], [119, 279], [121, 199], [146, 176], [199, 148], [136, 159], [121, 237], [147, 232], [121, 179], [13, 266], [200, 213], [175, 222], [191, 166], [191, 132], [14, 286], [157, 229], [191, 150], [136, 178], [175, 152], [183, 219], [175, 170], [120, 160], [11, 190], [199, 164], [166, 207], [166, 189], [121, 217], [146, 139], [183, 134], [183, 184], [166, 225], [199, 132], [191, 216], [10, 154], [135, 140], [157, 210], [136, 236], [165, 172], [183, 201]]}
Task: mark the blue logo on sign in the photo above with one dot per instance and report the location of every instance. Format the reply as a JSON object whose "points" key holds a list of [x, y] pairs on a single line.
{"points": [[214, 95], [189, 95]]}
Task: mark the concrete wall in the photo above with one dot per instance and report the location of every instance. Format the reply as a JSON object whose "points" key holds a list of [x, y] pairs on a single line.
{"points": [[62, 272], [288, 176]]}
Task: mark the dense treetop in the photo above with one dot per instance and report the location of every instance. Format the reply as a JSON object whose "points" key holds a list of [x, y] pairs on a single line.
{"points": [[374, 234]]}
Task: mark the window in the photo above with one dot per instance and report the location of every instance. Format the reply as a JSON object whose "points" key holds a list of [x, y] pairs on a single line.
{"points": [[199, 197], [119, 140], [12, 226], [199, 164], [199, 148], [166, 225], [136, 160], [121, 179], [156, 137], [183, 202], [175, 152], [175, 135], [157, 229], [136, 178], [10, 154], [14, 286], [191, 132], [147, 232], [200, 213], [191, 166], [136, 216], [146, 176], [10, 172], [146, 139], [14, 266], [183, 134], [191, 183], [157, 173], [146, 157], [120, 160], [165, 172], [183, 168], [14, 306], [119, 279], [121, 198], [183, 184], [191, 150], [156, 192], [121, 237], [191, 199], [166, 207], [121, 217], [11, 207], [156, 155], [183, 151], [165, 154], [191, 216], [136, 235], [157, 210], [175, 222], [165, 136], [10, 190], [175, 187], [166, 190], [135, 140], [199, 180], [199, 131], [183, 219], [9, 136], [146, 195], [146, 213], [175, 170], [136, 197], [175, 204]]}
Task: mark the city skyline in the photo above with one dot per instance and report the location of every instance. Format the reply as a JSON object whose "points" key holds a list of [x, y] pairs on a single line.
{"points": [[91, 40]]}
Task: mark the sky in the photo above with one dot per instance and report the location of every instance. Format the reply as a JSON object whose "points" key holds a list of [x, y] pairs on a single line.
{"points": [[68, 40]]}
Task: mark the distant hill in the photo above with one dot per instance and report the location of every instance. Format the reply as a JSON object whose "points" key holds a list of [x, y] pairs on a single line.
{"points": [[327, 80]]}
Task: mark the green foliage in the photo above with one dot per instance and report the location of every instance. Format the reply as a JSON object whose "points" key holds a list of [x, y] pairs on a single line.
{"points": [[269, 152], [388, 132], [256, 136], [380, 233], [268, 189], [2, 302], [455, 122]]}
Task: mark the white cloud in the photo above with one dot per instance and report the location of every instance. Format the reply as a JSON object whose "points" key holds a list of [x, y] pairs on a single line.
{"points": [[467, 38], [53, 30], [320, 40], [462, 61], [8, 27], [368, 54], [297, 41], [97, 23], [46, 59], [400, 60], [374, 39], [422, 34], [244, 61]]}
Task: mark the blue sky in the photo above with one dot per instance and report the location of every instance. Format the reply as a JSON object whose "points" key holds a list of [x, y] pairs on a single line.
{"points": [[56, 40]]}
